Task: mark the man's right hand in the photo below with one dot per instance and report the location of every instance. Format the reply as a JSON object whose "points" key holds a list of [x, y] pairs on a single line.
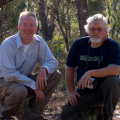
{"points": [[72, 98], [39, 95]]}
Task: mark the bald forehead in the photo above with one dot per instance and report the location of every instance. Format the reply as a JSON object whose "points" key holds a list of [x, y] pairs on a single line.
{"points": [[26, 17]]}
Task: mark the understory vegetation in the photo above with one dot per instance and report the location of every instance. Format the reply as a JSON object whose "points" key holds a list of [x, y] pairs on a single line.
{"points": [[61, 22]]}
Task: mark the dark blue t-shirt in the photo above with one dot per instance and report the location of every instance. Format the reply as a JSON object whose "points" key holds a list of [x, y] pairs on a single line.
{"points": [[108, 53]]}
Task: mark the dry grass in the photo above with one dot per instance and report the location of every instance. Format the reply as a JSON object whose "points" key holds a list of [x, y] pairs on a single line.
{"points": [[55, 104], [59, 99]]}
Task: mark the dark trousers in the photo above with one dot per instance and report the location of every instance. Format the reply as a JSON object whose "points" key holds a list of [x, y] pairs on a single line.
{"points": [[52, 84], [108, 94]]}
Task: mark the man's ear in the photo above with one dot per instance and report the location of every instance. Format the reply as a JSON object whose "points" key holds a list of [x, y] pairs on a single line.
{"points": [[18, 27], [35, 29]]}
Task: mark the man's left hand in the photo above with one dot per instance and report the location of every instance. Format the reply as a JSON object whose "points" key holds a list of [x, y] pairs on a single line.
{"points": [[82, 83], [39, 95], [41, 81]]}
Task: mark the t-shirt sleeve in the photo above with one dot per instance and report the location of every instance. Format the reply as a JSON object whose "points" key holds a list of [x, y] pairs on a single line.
{"points": [[72, 56], [114, 54]]}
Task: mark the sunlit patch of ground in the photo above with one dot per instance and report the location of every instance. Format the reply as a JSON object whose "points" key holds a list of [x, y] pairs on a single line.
{"points": [[117, 112], [55, 104], [58, 100]]}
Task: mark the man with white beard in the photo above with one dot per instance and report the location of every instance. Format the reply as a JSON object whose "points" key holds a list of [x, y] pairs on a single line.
{"points": [[96, 59]]}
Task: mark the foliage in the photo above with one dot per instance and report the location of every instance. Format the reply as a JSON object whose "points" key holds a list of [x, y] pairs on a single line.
{"points": [[93, 6], [66, 25], [57, 46], [64, 15], [66, 20], [113, 15], [9, 18]]}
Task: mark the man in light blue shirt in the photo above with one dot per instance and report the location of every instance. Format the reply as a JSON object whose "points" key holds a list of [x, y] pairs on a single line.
{"points": [[18, 57]]}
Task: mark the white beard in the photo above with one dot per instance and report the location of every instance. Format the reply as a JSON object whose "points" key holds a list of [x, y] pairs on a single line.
{"points": [[95, 40]]}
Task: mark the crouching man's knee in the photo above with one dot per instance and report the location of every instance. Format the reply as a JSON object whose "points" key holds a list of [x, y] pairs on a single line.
{"points": [[18, 95], [111, 82]]}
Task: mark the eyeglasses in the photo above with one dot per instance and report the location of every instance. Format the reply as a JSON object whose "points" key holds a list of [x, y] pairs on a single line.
{"points": [[92, 29], [26, 25]]}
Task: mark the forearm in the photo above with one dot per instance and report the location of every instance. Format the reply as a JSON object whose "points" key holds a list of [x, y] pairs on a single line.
{"points": [[41, 80], [99, 73], [43, 70], [104, 72], [69, 77]]}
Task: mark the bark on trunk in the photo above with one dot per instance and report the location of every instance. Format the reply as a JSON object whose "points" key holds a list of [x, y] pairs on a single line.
{"points": [[47, 29], [83, 14]]}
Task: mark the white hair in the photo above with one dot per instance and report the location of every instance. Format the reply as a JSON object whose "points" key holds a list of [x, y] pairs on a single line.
{"points": [[27, 13], [96, 19]]}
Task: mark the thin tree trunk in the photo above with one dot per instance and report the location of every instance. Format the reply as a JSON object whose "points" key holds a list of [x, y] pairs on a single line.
{"points": [[43, 20], [47, 29], [51, 24], [83, 13], [63, 33], [101, 6]]}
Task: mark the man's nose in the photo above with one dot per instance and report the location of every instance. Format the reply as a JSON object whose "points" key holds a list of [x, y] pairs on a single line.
{"points": [[28, 26], [96, 31]]}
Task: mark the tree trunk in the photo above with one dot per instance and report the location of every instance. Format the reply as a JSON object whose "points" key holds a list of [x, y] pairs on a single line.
{"points": [[47, 30], [63, 33], [4, 2], [101, 6], [62, 27], [83, 13], [51, 24]]}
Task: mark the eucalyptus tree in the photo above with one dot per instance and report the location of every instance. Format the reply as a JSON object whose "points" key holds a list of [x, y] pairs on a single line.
{"points": [[9, 18], [47, 20], [83, 13], [61, 16], [64, 16], [112, 12], [96, 6]]}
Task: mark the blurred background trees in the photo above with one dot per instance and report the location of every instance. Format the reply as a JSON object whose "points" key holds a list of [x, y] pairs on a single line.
{"points": [[60, 21]]}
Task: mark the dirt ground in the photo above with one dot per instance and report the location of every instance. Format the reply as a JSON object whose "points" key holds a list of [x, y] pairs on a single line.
{"points": [[55, 104], [57, 101], [55, 115]]}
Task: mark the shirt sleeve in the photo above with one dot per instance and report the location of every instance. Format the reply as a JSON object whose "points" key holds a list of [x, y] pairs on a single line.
{"points": [[8, 68], [113, 54], [72, 56], [46, 58]]}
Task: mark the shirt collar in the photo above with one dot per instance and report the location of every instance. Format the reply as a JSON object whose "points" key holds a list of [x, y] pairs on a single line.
{"points": [[36, 38], [19, 42]]}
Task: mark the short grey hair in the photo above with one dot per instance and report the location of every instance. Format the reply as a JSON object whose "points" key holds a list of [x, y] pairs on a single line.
{"points": [[96, 19], [27, 13]]}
